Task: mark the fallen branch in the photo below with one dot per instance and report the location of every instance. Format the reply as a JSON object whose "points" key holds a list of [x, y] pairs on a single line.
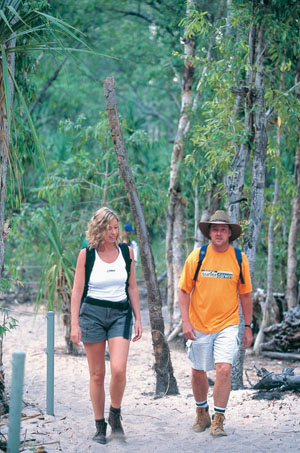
{"points": [[175, 331], [281, 355]]}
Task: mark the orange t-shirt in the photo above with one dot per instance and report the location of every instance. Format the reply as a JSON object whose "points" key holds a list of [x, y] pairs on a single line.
{"points": [[214, 302]]}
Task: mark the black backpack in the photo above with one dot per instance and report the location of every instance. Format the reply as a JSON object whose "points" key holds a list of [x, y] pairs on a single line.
{"points": [[89, 263], [202, 253]]}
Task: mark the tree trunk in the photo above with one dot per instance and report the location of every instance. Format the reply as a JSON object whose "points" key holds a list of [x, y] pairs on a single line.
{"points": [[211, 43], [176, 159], [234, 184], [178, 253], [292, 278], [4, 151], [211, 204], [259, 153], [64, 294], [268, 317], [256, 53], [165, 380]]}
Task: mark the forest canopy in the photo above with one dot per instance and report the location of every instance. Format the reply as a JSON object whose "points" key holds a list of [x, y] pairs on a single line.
{"points": [[143, 46]]}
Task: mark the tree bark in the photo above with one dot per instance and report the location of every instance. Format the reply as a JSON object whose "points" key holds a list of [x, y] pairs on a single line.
{"points": [[256, 54], [175, 196], [165, 380], [178, 252], [268, 316], [211, 204], [292, 278], [211, 43], [234, 181], [4, 151], [234, 184], [259, 153]]}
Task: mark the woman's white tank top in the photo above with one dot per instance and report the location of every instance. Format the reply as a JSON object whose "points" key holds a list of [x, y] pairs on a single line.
{"points": [[108, 280]]}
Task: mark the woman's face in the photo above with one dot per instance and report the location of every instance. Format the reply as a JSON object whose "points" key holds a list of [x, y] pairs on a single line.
{"points": [[112, 232]]}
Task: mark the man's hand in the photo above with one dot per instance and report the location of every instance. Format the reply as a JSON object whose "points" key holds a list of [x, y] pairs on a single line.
{"points": [[247, 338], [188, 330]]}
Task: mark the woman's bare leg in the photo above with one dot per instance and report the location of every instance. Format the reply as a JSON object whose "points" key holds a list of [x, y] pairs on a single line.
{"points": [[118, 350], [95, 353]]}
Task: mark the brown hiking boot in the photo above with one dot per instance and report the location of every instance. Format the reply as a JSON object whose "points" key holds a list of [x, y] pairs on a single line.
{"points": [[202, 419], [114, 419], [217, 429], [100, 435]]}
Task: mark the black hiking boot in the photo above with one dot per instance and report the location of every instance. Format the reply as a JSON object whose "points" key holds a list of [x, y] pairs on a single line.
{"points": [[114, 419], [100, 435]]}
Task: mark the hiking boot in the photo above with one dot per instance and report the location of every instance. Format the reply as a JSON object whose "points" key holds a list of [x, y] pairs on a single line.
{"points": [[217, 429], [202, 419], [100, 435], [114, 419]]}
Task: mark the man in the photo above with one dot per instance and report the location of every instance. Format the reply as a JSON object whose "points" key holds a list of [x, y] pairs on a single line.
{"points": [[126, 237], [210, 316]]}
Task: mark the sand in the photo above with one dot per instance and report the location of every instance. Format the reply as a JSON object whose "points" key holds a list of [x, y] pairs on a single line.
{"points": [[151, 425]]}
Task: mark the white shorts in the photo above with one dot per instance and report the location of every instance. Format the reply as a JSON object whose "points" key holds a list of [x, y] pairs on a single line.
{"points": [[211, 348]]}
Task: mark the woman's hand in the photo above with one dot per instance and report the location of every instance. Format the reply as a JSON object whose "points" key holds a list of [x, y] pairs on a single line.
{"points": [[138, 330], [75, 334]]}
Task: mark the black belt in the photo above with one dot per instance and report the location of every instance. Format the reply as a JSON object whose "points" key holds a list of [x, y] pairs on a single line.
{"points": [[123, 304]]}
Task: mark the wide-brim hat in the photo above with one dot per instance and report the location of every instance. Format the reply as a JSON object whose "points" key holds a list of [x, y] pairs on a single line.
{"points": [[220, 217]]}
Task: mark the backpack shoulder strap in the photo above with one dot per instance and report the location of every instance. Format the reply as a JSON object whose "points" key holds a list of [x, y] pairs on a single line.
{"points": [[89, 263], [239, 258], [202, 252], [126, 255]]}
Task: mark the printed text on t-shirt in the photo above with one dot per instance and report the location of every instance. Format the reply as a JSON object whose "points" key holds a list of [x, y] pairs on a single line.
{"points": [[217, 274]]}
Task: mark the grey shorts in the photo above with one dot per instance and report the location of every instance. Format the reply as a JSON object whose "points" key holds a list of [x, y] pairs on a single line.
{"points": [[211, 348], [99, 323]]}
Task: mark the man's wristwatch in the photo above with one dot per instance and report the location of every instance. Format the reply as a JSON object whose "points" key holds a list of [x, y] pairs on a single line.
{"points": [[249, 325]]}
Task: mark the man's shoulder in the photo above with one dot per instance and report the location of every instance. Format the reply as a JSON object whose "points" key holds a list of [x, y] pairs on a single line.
{"points": [[194, 255]]}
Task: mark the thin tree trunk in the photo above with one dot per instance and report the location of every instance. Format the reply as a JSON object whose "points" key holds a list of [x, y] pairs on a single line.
{"points": [[268, 316], [234, 181], [257, 47], [259, 153], [292, 278], [4, 147], [64, 293], [176, 159], [174, 188], [178, 252], [234, 184], [211, 204], [208, 58], [165, 380]]}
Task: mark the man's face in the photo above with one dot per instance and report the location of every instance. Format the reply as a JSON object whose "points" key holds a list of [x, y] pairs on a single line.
{"points": [[219, 235]]}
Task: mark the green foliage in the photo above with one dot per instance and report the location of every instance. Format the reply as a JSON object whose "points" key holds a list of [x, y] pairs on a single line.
{"points": [[74, 188], [58, 272], [8, 323], [81, 171]]}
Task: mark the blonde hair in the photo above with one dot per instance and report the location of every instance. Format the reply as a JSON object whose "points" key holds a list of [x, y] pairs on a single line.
{"points": [[98, 225]]}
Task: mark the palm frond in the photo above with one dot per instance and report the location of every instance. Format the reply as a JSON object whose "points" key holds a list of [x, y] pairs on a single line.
{"points": [[6, 86], [6, 20], [32, 127]]}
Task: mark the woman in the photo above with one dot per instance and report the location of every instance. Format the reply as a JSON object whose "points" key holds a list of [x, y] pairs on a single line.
{"points": [[101, 311]]}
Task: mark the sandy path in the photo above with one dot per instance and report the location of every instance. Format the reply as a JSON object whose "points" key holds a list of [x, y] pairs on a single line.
{"points": [[151, 425]]}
